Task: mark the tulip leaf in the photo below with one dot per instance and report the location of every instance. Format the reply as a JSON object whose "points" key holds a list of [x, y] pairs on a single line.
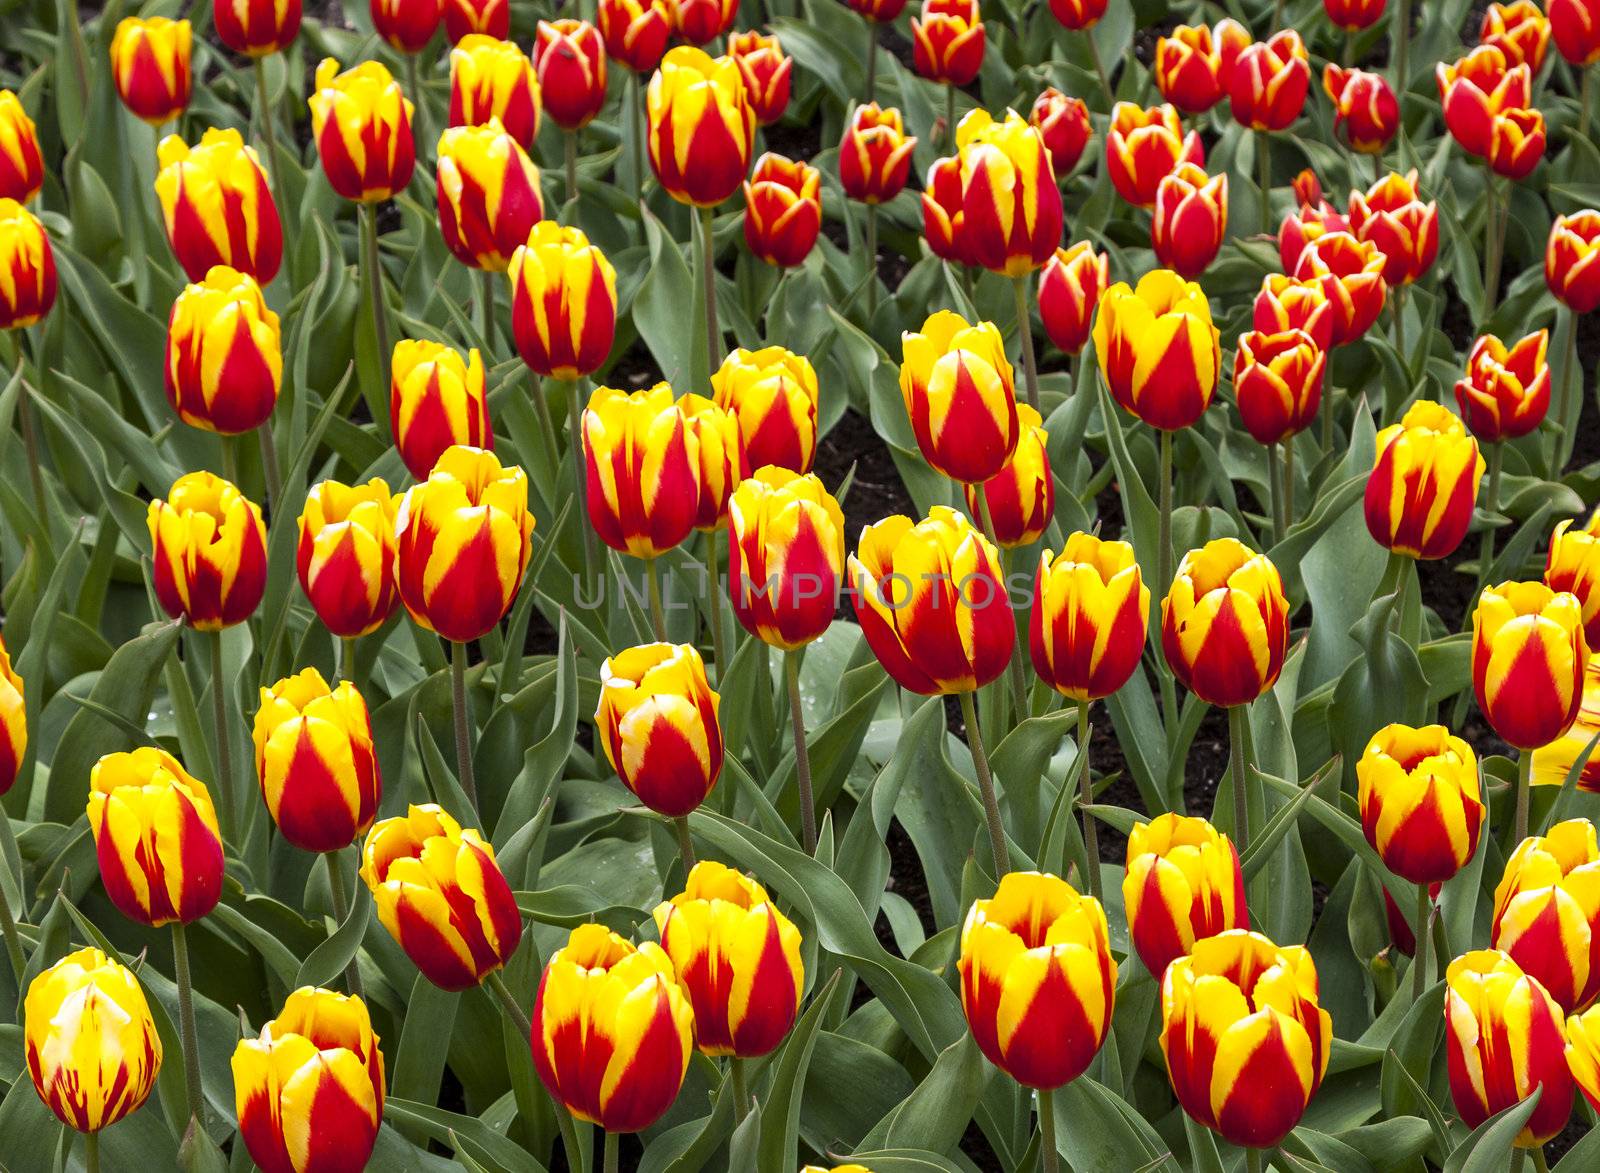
{"points": [[936, 1112], [330, 958], [904, 1161], [441, 1125], [1488, 1149], [419, 1059]]}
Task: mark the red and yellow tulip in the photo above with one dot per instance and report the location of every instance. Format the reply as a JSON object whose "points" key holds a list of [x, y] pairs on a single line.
{"points": [[27, 268], [21, 164], [484, 18], [1159, 352], [210, 552], [1573, 565], [657, 722], [960, 394], [1552, 763], [1528, 657], [1571, 261], [1183, 884], [1506, 390], [1078, 15], [1421, 801], [1021, 497], [773, 394], [1194, 64], [217, 207], [361, 123], [948, 42], [1070, 287], [563, 302], [874, 154], [636, 32], [1277, 380], [570, 61], [1354, 15], [1350, 272], [489, 79], [488, 195], [224, 354], [1547, 912], [408, 25], [786, 556], [1225, 623], [1575, 24], [1391, 216], [643, 467], [257, 28], [702, 21], [1288, 303], [1090, 612], [437, 400], [782, 210], [1010, 215], [150, 66], [1143, 147], [1269, 83], [1519, 30], [1190, 220], [13, 722], [1064, 125], [1478, 88], [345, 557], [766, 72], [1424, 483], [1366, 114], [701, 126], [721, 459]]}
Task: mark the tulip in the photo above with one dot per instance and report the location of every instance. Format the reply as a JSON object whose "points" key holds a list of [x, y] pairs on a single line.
{"points": [[1010, 217], [224, 354], [1311, 220], [612, 1030], [437, 400], [1143, 147], [89, 1040], [1583, 1050], [346, 556], [21, 164], [773, 394], [657, 722], [462, 543], [257, 28], [877, 11], [948, 41], [210, 556], [408, 25], [1528, 654], [874, 155], [362, 126], [1506, 391], [309, 1089], [1351, 274], [782, 210], [1269, 82], [1183, 884], [960, 396], [563, 302], [1575, 24], [642, 466], [702, 126], [1424, 483], [484, 18], [1476, 89], [1225, 623], [27, 268], [1519, 30], [217, 207], [1547, 912], [1503, 1039], [786, 556], [1391, 217], [1090, 612], [737, 958], [1245, 1041], [941, 211], [1354, 15], [1571, 261], [766, 72], [702, 21], [1191, 218], [1277, 379], [13, 722], [1573, 565], [1020, 499], [570, 60], [721, 460], [150, 66], [1307, 190], [1063, 123], [441, 895], [1194, 64], [1286, 303], [1070, 287], [1552, 763], [636, 32], [1420, 800], [155, 834], [1078, 15], [488, 195], [1158, 349], [492, 79], [1366, 114], [1516, 143]]}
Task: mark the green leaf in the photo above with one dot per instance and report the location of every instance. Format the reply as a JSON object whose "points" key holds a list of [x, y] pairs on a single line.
{"points": [[780, 1131], [1488, 1149], [329, 959]]}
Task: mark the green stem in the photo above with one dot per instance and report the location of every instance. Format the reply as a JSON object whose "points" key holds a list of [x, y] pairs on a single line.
{"points": [[802, 755], [591, 557], [1019, 687], [339, 897], [1585, 94], [1100, 69], [347, 660], [219, 717], [1564, 390], [737, 1074], [708, 290], [1237, 715], [1030, 367], [19, 961], [463, 721], [91, 1147], [413, 79], [1288, 484], [1400, 323], [1540, 1165], [872, 59], [1419, 963], [714, 584], [658, 613], [1350, 48], [571, 138], [269, 136], [872, 261], [1049, 1155], [680, 828], [486, 279], [376, 396], [1264, 177], [1273, 478], [230, 460], [1164, 548], [1402, 25], [1491, 503], [1091, 829], [1524, 777], [191, 1040], [636, 116], [991, 805], [613, 1152], [508, 1003], [270, 470], [1252, 1160], [569, 1130], [547, 427], [950, 115]]}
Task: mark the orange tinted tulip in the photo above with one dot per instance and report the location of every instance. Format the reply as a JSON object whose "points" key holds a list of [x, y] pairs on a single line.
{"points": [[1190, 219], [1506, 391], [1143, 147]]}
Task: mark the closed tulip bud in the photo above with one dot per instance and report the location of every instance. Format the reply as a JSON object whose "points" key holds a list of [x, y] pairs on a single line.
{"points": [[1070, 287], [1307, 189], [766, 73], [1519, 30], [1424, 483], [948, 41], [1011, 217], [437, 400], [722, 463], [782, 210], [89, 1040], [21, 164], [960, 394], [13, 722], [1528, 656], [257, 28], [612, 1030], [1143, 147], [1354, 15], [877, 11], [737, 957], [785, 556], [1287, 303], [362, 126], [657, 722], [1194, 64], [408, 25], [1575, 24], [1311, 220], [1021, 497], [1158, 349], [345, 557], [1268, 88], [1571, 261], [150, 65], [932, 602], [1475, 89], [27, 268], [1078, 15], [441, 895], [570, 60], [224, 354], [773, 394], [309, 1089], [210, 552], [1506, 391], [1366, 114], [461, 543], [1547, 912], [488, 192], [941, 211], [1038, 982], [563, 302], [1420, 799], [217, 207], [1516, 143], [1183, 884], [315, 761], [156, 838], [874, 154], [1503, 1041], [643, 468], [1245, 1040], [485, 18], [1064, 125], [1190, 220], [492, 79], [636, 32], [1392, 217], [1225, 623], [702, 21], [1090, 612], [1552, 763], [1277, 379], [1573, 565], [701, 126], [1350, 272]]}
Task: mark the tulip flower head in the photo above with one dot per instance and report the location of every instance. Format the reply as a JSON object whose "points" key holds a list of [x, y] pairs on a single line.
{"points": [[27, 268], [217, 207], [1571, 260], [345, 557], [948, 41], [563, 302], [438, 399], [488, 195], [782, 210], [722, 463], [636, 32], [1078, 15], [877, 11], [1351, 274], [1516, 143], [1010, 213], [701, 126], [643, 465], [1190, 220], [1311, 220], [773, 394], [21, 164], [1158, 350], [657, 722], [1424, 483], [1225, 623], [786, 556], [1277, 380], [1506, 390], [941, 211], [1573, 565], [13, 722], [702, 21], [1021, 497], [483, 18], [1392, 217], [874, 154], [1366, 114], [1528, 656], [1070, 287], [1421, 801], [1476, 90], [1552, 763], [1143, 147], [224, 354], [1090, 612], [361, 122], [1194, 64], [1183, 884], [1583, 1053], [766, 72], [150, 66], [1547, 912], [960, 394], [1064, 125], [210, 552], [1519, 30], [408, 25], [257, 28], [1270, 79], [493, 79], [1288, 303], [570, 59], [1575, 24], [1354, 15]]}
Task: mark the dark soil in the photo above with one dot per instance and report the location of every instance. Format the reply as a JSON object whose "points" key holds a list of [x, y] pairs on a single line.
{"points": [[876, 491]]}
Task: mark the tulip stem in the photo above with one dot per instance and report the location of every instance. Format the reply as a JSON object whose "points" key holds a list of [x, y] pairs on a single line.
{"points": [[872, 60], [1252, 1160], [340, 899], [991, 805], [347, 660], [1237, 715], [1402, 25], [1164, 546], [1019, 685], [1350, 48], [680, 828], [508, 1003], [91, 1140], [1100, 68], [636, 101], [1564, 391], [1288, 484], [547, 429], [571, 140], [575, 424], [1419, 962], [1540, 1165], [714, 583], [658, 613], [1030, 368], [950, 115], [872, 263], [1585, 93], [1264, 177], [380, 314], [269, 136], [486, 279], [463, 721], [708, 282], [802, 756], [1524, 778], [1091, 829], [1399, 305], [269, 469], [219, 716], [1274, 476], [613, 1152], [737, 1076], [1049, 1155], [191, 1040], [1491, 503]]}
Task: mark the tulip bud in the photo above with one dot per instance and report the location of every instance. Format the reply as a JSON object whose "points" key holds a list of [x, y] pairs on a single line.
{"points": [[441, 895], [1078, 15], [941, 211], [315, 761], [437, 400], [345, 557], [89, 1040], [701, 126], [737, 958], [150, 65], [932, 602], [309, 1089], [362, 126], [1528, 656], [224, 354], [1351, 274], [702, 21], [210, 557], [1366, 114], [1158, 349], [156, 838], [570, 60], [765, 71], [1194, 65], [1010, 206], [960, 394], [1268, 88], [1090, 612], [1424, 483], [1519, 30], [1547, 912], [782, 210], [1354, 15], [874, 154], [1553, 762], [217, 207], [1038, 980], [27, 268], [657, 722], [612, 1030], [635, 32], [484, 18], [1225, 623], [1503, 1040], [1277, 380], [1506, 391], [488, 193], [1575, 24], [1190, 220], [773, 394], [494, 79], [721, 461], [1420, 801], [1310, 221], [1070, 287], [1287, 303], [948, 41], [563, 303], [1143, 147], [21, 164], [877, 11], [13, 722], [1307, 189], [1021, 497], [1391, 217], [1064, 125], [257, 28], [1476, 89], [1573, 565], [408, 25], [643, 468], [1571, 260], [1516, 143], [1183, 884], [785, 556]]}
